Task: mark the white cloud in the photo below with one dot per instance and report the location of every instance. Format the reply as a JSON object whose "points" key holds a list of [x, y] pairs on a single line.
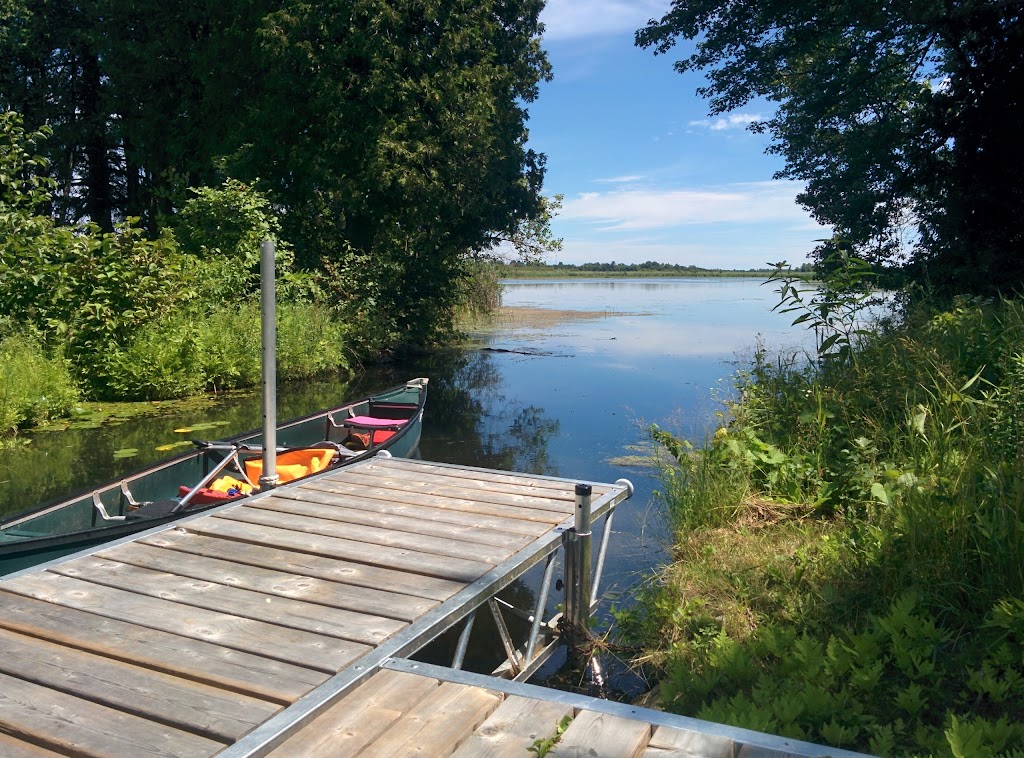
{"points": [[732, 121], [568, 19], [743, 203]]}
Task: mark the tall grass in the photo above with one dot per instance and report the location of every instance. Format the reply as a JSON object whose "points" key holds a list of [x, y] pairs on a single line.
{"points": [[837, 488], [33, 386], [917, 446], [189, 352]]}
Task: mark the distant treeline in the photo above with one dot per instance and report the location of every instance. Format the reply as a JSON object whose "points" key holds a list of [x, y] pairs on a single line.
{"points": [[649, 268]]}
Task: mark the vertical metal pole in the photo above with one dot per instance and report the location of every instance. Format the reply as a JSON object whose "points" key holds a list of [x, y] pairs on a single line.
{"points": [[538, 613], [602, 553], [268, 311], [584, 538], [460, 649], [570, 576]]}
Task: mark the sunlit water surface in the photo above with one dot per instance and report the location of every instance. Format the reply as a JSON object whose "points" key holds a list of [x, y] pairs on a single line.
{"points": [[566, 400]]}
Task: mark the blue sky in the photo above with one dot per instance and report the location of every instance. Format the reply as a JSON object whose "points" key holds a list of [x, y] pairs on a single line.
{"points": [[645, 173]]}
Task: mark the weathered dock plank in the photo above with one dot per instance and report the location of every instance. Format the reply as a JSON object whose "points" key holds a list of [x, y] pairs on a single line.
{"points": [[192, 659], [667, 742], [497, 479], [350, 550], [616, 735], [512, 730], [201, 593], [435, 546], [252, 636], [305, 564], [410, 481], [598, 727], [332, 508], [74, 726], [12, 748], [266, 581], [490, 525], [183, 704], [367, 488], [352, 724], [436, 725]]}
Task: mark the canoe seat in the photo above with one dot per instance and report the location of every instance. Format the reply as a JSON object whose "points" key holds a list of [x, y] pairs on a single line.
{"points": [[373, 422], [370, 430]]}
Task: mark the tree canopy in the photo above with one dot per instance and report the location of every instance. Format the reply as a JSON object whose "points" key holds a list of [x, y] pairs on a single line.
{"points": [[390, 134], [899, 116]]}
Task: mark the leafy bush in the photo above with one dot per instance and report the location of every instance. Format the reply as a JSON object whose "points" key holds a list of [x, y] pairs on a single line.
{"points": [[917, 443], [356, 289], [696, 491], [185, 353], [901, 684], [230, 347], [79, 288], [310, 341], [33, 387], [223, 228], [162, 362], [25, 186], [481, 289]]}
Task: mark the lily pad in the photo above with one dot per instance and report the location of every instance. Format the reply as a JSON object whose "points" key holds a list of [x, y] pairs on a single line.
{"points": [[126, 452], [200, 427], [172, 445]]}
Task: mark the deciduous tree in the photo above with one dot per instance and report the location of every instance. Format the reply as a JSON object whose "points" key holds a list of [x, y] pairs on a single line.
{"points": [[396, 132], [391, 134], [900, 116]]}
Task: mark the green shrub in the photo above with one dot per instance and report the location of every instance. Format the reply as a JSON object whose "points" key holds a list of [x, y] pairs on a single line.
{"points": [[696, 491], [161, 363], [230, 347], [222, 229], [917, 443], [186, 353], [480, 289], [310, 341], [901, 684], [892, 470], [33, 387], [80, 289]]}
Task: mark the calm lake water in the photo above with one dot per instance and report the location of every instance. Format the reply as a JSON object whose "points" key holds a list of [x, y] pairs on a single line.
{"points": [[564, 400]]}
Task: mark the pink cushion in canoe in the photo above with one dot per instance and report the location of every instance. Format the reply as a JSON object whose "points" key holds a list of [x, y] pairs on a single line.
{"points": [[371, 421]]}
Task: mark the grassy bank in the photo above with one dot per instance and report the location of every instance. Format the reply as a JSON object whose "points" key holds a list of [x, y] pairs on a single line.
{"points": [[849, 558]]}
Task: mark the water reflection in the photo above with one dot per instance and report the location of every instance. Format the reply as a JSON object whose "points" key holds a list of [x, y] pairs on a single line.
{"points": [[470, 417]]}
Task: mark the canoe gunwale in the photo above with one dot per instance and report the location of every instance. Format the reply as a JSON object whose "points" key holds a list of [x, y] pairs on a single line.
{"points": [[13, 547]]}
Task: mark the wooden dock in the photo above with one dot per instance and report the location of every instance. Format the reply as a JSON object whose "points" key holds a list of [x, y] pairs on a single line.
{"points": [[283, 623]]}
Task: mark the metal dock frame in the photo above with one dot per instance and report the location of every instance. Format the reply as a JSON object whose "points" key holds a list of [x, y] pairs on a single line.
{"points": [[462, 607]]}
